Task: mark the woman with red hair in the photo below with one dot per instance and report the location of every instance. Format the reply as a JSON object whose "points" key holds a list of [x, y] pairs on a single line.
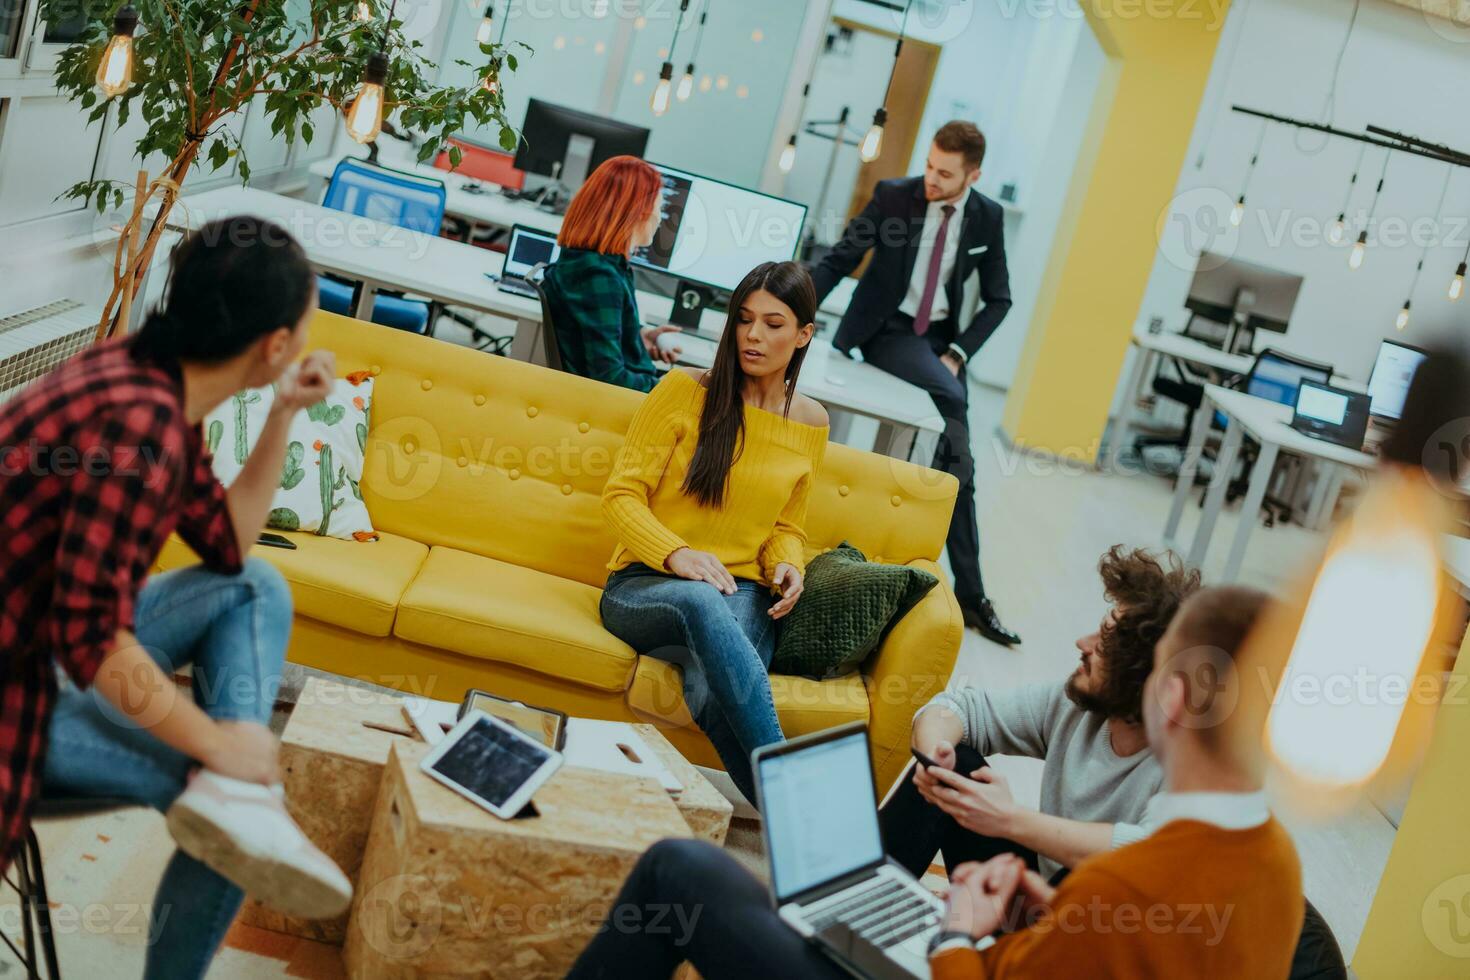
{"points": [[589, 288]]}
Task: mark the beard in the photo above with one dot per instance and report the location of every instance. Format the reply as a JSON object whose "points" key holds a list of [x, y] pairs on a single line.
{"points": [[1093, 702]]}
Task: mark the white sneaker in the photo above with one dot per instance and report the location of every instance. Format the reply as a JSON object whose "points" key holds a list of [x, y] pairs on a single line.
{"points": [[242, 831]]}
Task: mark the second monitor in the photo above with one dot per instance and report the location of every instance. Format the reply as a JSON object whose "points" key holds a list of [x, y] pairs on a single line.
{"points": [[713, 233], [568, 144]]}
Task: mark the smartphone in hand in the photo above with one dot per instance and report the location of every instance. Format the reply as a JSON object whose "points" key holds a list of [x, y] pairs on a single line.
{"points": [[925, 761]]}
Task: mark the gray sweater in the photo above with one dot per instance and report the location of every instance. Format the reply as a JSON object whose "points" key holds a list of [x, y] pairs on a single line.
{"points": [[1082, 778]]}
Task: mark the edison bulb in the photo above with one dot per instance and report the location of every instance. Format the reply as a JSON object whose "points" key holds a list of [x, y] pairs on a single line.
{"points": [[365, 115], [115, 73], [1360, 248], [486, 31], [1402, 320], [663, 91], [1237, 213], [1335, 232], [686, 85], [788, 156], [1457, 284]]}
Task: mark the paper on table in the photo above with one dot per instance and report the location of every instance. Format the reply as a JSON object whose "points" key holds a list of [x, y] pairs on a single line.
{"points": [[601, 745], [431, 719]]}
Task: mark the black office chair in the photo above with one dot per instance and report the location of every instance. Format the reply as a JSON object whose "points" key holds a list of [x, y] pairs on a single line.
{"points": [[549, 347], [1277, 376], [1188, 386], [28, 877], [1318, 955]]}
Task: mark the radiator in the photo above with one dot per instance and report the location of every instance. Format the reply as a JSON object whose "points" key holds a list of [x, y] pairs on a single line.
{"points": [[32, 342]]}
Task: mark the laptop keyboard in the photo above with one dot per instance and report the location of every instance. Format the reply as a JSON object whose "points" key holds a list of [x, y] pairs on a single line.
{"points": [[885, 914]]}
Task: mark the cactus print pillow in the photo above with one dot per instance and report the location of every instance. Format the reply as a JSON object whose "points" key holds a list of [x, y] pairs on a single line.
{"points": [[319, 489]]}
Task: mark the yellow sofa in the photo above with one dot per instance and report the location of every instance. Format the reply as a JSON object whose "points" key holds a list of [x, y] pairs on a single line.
{"points": [[484, 478]]}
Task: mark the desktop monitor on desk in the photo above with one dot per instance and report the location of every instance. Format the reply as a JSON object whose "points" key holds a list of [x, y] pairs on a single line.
{"points": [[1388, 385], [567, 144], [1239, 298], [712, 234]]}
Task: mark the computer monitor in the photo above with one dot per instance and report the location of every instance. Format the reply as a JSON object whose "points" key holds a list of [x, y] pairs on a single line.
{"points": [[713, 233], [527, 247], [1388, 385], [1241, 297], [568, 144]]}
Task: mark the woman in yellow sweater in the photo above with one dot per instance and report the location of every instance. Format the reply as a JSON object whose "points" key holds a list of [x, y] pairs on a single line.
{"points": [[708, 498]]}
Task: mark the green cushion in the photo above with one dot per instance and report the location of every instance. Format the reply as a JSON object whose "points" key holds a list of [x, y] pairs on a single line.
{"points": [[846, 608]]}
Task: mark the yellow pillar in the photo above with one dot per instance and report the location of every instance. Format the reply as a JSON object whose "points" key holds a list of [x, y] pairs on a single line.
{"points": [[1419, 925], [1159, 55]]}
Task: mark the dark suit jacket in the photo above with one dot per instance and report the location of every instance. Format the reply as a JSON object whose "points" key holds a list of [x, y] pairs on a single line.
{"points": [[891, 225]]}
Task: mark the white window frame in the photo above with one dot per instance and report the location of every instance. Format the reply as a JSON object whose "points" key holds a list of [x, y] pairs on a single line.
{"points": [[15, 65]]}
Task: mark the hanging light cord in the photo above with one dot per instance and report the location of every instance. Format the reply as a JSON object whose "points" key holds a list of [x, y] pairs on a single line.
{"points": [[678, 25], [504, 21], [387, 24], [1438, 210], [1378, 191], [1352, 182], [698, 35], [903, 28], [1251, 170]]}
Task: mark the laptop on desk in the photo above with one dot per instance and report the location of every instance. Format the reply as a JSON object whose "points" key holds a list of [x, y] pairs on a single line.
{"points": [[829, 877], [528, 247], [1333, 415]]}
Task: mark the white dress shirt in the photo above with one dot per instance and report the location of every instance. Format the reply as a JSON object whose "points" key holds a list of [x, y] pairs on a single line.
{"points": [[933, 215]]}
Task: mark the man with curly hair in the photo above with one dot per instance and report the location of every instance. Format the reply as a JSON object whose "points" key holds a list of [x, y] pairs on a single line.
{"points": [[1098, 773]]}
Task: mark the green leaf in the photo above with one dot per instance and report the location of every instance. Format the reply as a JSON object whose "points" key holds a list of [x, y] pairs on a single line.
{"points": [[455, 155], [510, 60]]}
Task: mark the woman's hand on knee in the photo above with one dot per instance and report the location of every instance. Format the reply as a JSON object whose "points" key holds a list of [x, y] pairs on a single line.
{"points": [[701, 566], [789, 582]]}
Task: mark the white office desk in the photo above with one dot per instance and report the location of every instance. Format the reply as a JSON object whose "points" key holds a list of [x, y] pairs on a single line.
{"points": [[488, 206], [1212, 361], [1268, 423]]}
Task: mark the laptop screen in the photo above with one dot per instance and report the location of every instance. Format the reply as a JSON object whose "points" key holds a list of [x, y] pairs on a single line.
{"points": [[527, 247], [1321, 404], [820, 813], [1388, 385]]}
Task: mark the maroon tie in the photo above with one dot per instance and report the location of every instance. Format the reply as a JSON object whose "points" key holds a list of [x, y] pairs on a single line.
{"points": [[931, 281]]}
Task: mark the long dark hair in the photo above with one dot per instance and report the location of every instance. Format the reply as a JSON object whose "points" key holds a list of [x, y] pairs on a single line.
{"points": [[722, 423], [232, 282]]}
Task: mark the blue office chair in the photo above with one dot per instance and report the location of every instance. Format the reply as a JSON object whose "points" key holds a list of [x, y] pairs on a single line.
{"points": [[394, 198]]}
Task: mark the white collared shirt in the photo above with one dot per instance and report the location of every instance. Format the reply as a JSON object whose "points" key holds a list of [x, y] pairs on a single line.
{"points": [[1228, 811], [933, 215]]}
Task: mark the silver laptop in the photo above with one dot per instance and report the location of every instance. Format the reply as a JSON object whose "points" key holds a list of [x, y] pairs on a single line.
{"points": [[829, 877], [528, 248]]}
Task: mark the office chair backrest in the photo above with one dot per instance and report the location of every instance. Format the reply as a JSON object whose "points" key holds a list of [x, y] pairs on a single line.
{"points": [[550, 348], [1277, 376], [389, 196], [483, 163]]}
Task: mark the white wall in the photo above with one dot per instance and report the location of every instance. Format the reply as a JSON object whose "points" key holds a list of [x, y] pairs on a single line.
{"points": [[1401, 71]]}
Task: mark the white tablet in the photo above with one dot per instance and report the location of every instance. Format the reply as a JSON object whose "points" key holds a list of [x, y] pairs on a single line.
{"points": [[491, 763]]}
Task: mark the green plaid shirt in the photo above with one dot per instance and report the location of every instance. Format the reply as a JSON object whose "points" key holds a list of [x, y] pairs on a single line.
{"points": [[596, 317]]}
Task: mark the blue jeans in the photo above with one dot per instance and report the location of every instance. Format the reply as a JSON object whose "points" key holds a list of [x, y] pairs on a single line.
{"points": [[233, 630], [723, 643]]}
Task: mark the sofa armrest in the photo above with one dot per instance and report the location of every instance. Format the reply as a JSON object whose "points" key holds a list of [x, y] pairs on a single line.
{"points": [[913, 664]]}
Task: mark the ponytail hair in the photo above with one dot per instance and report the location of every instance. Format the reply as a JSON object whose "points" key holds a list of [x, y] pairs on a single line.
{"points": [[231, 282]]}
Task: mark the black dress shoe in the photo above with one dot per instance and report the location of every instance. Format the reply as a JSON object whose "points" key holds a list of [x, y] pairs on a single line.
{"points": [[983, 618]]}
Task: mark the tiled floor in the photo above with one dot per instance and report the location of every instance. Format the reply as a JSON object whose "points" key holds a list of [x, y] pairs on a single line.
{"points": [[1043, 532]]}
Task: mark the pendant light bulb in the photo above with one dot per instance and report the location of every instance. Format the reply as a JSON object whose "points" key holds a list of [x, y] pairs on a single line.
{"points": [[485, 33], [365, 115], [1457, 284], [1360, 248], [1335, 233], [364, 12], [1237, 213], [1402, 320], [686, 84], [788, 155], [115, 70], [872, 144], [663, 91]]}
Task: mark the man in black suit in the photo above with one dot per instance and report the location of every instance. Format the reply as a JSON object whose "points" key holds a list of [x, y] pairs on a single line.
{"points": [[938, 253]]}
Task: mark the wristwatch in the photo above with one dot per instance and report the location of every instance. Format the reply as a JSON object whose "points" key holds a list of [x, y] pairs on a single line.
{"points": [[951, 939]]}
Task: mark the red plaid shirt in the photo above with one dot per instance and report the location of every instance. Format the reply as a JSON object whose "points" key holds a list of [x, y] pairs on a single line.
{"points": [[97, 467]]}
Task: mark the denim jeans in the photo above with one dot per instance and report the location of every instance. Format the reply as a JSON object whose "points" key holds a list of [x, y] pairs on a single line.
{"points": [[724, 644], [233, 630]]}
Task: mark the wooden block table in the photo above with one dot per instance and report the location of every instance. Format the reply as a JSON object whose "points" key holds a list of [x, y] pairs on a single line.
{"points": [[703, 807], [448, 890], [332, 763]]}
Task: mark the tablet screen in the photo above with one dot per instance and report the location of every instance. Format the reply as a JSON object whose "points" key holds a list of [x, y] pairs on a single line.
{"points": [[490, 762]]}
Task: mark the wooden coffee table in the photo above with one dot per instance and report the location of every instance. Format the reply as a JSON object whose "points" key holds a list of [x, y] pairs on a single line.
{"points": [[446, 889]]}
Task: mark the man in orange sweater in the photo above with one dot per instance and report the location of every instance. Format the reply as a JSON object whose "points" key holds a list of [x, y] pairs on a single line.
{"points": [[1216, 891]]}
